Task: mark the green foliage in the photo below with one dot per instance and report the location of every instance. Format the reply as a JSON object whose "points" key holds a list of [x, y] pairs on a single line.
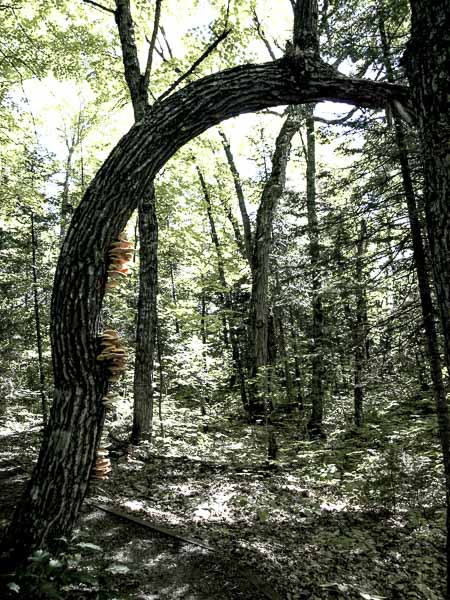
{"points": [[48, 577]]}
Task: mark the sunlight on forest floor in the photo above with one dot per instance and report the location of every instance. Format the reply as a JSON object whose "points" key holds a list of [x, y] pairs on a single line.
{"points": [[324, 521]]}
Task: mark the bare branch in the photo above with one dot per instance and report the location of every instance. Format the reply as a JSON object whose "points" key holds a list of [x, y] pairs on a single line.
{"points": [[159, 51], [205, 54], [261, 34], [169, 49], [227, 15], [100, 6], [148, 68], [340, 121], [248, 240]]}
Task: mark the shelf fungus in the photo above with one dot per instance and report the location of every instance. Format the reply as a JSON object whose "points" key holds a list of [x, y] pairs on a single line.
{"points": [[120, 253], [102, 466], [112, 354]]}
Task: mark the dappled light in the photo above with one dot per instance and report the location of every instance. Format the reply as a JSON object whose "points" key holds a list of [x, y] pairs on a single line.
{"points": [[224, 300]]}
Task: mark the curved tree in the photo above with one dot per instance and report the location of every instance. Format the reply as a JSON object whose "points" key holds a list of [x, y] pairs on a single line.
{"points": [[58, 485]]}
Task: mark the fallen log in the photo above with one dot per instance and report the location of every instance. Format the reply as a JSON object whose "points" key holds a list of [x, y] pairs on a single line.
{"points": [[158, 528], [247, 573]]}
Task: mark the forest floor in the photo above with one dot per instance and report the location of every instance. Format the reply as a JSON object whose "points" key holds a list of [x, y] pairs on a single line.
{"points": [[357, 516]]}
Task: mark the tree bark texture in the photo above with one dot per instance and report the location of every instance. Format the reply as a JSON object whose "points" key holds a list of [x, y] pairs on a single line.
{"points": [[427, 61], [305, 25], [146, 321], [422, 270], [53, 497], [428, 65], [136, 82]]}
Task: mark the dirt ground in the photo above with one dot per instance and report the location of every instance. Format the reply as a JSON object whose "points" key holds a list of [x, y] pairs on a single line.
{"points": [[273, 531]]}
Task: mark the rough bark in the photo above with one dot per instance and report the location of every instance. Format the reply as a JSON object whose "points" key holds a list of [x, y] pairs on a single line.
{"points": [[428, 67], [146, 321], [136, 82], [305, 25], [53, 497]]}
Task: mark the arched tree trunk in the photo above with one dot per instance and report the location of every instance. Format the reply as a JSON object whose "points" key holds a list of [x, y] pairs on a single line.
{"points": [[53, 497]]}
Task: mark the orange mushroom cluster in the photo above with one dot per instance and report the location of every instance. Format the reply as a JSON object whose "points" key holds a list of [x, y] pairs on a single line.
{"points": [[112, 353], [102, 466], [120, 253]]}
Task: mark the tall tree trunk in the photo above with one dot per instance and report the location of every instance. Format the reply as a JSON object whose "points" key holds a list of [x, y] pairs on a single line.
{"points": [[204, 395], [220, 262], [284, 356], [146, 323], [315, 426], [428, 68], [37, 320], [297, 364], [359, 327], [159, 346], [53, 496], [174, 293], [148, 232], [226, 295], [259, 403]]}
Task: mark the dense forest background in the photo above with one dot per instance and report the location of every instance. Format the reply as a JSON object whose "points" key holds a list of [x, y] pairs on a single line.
{"points": [[277, 397]]}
